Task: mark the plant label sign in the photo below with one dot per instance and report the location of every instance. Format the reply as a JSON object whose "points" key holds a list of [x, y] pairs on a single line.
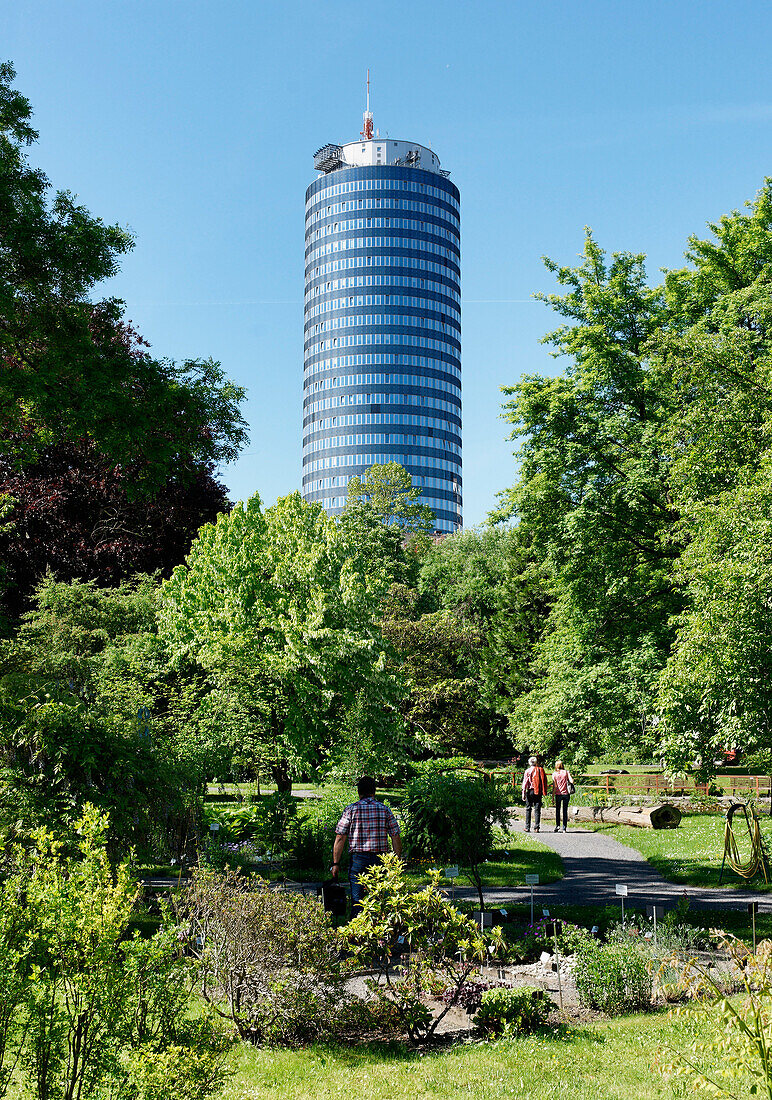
{"points": [[451, 872], [532, 880], [621, 890]]}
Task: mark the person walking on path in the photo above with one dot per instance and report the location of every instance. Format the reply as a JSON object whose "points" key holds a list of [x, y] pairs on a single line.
{"points": [[534, 789], [370, 827], [563, 787]]}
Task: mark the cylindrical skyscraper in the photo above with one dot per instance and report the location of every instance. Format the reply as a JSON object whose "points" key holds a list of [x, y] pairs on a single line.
{"points": [[382, 351]]}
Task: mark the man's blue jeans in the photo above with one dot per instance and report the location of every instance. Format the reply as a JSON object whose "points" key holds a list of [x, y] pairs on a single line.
{"points": [[358, 864]]}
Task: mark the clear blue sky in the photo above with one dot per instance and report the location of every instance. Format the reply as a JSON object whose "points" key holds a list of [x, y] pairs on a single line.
{"points": [[194, 123]]}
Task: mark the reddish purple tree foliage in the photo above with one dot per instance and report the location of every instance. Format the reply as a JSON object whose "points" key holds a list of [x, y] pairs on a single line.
{"points": [[76, 516]]}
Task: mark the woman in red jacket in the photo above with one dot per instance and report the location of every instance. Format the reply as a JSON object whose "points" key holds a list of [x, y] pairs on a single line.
{"points": [[534, 789]]}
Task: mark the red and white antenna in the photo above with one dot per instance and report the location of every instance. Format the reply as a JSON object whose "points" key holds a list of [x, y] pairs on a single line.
{"points": [[367, 129]]}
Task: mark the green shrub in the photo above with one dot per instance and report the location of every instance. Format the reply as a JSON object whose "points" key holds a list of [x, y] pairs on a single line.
{"points": [[613, 978], [96, 1006], [450, 816], [239, 822], [414, 941], [513, 1010], [673, 936], [733, 1047], [315, 835], [268, 960]]}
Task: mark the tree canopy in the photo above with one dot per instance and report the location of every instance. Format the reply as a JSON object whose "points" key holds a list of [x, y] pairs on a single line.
{"points": [[392, 498], [72, 514], [273, 604], [643, 489], [73, 367]]}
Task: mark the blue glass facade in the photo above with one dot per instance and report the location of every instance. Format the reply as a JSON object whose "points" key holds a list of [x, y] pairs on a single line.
{"points": [[382, 336]]}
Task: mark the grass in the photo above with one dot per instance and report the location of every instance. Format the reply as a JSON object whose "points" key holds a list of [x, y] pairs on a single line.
{"points": [[692, 853], [606, 1060], [517, 857], [609, 1060]]}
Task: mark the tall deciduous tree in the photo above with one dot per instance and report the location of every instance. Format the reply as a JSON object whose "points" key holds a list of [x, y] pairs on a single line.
{"points": [[437, 654], [392, 497], [645, 488], [71, 366], [91, 711], [718, 366], [277, 610], [593, 498], [491, 579]]}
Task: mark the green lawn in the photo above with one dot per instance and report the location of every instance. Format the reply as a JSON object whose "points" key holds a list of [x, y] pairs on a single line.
{"points": [[517, 857], [609, 1060], [693, 852]]}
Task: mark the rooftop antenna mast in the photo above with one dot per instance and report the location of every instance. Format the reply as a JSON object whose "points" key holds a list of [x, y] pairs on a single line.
{"points": [[367, 129]]}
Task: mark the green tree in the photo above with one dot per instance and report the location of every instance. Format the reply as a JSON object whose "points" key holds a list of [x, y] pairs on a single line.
{"points": [[644, 471], [594, 503], [90, 711], [371, 740], [718, 367], [436, 653], [388, 489], [491, 580], [379, 548], [716, 691], [715, 363], [273, 606], [71, 366]]}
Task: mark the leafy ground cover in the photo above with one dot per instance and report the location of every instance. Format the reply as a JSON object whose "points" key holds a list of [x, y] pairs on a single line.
{"points": [[608, 1060], [692, 853]]}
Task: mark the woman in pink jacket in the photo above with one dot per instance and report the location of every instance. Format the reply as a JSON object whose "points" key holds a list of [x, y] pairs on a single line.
{"points": [[563, 787]]}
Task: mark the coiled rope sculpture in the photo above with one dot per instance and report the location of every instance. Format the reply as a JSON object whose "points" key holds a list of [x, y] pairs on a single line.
{"points": [[757, 860]]}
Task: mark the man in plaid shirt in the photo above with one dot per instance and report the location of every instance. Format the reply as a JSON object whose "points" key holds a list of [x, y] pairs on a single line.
{"points": [[369, 826]]}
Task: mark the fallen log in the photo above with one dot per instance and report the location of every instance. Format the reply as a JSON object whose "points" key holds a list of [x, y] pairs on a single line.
{"points": [[662, 816]]}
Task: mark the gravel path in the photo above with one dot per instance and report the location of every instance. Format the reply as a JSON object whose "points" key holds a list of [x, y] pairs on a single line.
{"points": [[594, 863]]}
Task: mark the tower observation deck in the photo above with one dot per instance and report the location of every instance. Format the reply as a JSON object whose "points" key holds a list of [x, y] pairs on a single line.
{"points": [[382, 335]]}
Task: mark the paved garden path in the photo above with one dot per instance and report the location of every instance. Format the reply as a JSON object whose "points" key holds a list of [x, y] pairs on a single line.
{"points": [[594, 863]]}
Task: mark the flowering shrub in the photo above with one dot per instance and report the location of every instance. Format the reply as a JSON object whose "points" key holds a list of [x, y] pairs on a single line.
{"points": [[413, 940]]}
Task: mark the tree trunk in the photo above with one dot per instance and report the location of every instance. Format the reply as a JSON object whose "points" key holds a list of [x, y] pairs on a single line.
{"points": [[282, 777], [475, 878], [662, 816]]}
